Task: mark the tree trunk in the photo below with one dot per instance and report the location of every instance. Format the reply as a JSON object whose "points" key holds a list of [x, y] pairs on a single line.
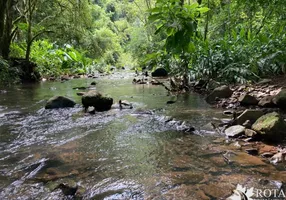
{"points": [[7, 29], [29, 31], [207, 23], [3, 4]]}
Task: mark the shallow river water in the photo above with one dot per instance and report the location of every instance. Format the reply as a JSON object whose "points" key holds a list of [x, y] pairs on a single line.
{"points": [[119, 154]]}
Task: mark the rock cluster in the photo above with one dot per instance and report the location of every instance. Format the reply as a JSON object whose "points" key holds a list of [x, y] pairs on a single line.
{"points": [[266, 96], [255, 124]]}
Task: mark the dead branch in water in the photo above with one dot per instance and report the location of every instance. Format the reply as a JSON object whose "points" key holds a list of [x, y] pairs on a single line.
{"points": [[160, 83]]}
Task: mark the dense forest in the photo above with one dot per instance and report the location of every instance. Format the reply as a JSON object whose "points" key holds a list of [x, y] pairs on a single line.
{"points": [[225, 40]]}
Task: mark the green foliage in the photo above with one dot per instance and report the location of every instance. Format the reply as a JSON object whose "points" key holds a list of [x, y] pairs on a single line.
{"points": [[53, 60], [242, 40], [7, 74], [230, 41], [178, 22]]}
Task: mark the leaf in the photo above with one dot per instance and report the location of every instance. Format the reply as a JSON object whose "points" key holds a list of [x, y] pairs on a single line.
{"points": [[154, 17], [170, 31], [203, 9], [159, 29], [154, 10], [23, 26], [191, 47]]}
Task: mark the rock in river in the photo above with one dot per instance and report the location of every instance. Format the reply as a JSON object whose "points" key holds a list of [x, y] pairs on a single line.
{"points": [[95, 99], [280, 99], [220, 92], [159, 72], [249, 114], [59, 102], [271, 126], [266, 102], [247, 100], [235, 131]]}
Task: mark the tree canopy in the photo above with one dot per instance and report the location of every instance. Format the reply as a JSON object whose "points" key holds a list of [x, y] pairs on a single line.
{"points": [[227, 40]]}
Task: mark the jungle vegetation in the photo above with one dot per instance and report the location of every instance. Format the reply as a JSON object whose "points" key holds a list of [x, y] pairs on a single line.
{"points": [[225, 40]]}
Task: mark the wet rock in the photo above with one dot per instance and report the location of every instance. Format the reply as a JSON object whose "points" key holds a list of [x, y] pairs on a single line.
{"points": [[244, 159], [217, 190], [280, 99], [125, 104], [220, 92], [209, 128], [271, 126], [252, 151], [278, 158], [266, 102], [247, 100], [267, 155], [67, 190], [267, 149], [77, 76], [185, 127], [65, 78], [250, 133], [160, 72], [249, 114], [93, 83], [59, 102], [80, 93], [155, 83], [247, 124], [235, 131], [3, 91], [95, 99], [138, 81], [228, 112]]}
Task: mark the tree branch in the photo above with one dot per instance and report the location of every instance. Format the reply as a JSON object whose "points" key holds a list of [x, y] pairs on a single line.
{"points": [[38, 34]]}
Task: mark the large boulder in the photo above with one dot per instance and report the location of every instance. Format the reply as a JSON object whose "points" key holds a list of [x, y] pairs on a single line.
{"points": [[59, 102], [280, 99], [249, 114], [159, 72], [220, 92], [95, 99], [235, 131], [247, 100], [271, 126]]}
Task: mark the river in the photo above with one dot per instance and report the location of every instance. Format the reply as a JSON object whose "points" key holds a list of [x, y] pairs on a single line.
{"points": [[118, 154]]}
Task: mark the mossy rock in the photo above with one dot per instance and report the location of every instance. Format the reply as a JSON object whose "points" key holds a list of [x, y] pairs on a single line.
{"points": [[271, 126]]}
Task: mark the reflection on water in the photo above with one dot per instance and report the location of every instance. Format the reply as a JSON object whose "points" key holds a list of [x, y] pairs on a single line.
{"points": [[118, 154]]}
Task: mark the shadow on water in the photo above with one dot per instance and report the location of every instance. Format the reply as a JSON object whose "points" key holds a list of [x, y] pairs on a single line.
{"points": [[118, 154]]}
